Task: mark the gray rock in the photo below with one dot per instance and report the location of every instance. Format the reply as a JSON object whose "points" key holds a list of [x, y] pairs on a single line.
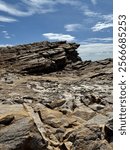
{"points": [[99, 119]]}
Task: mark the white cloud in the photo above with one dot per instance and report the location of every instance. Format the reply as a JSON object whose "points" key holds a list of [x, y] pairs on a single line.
{"points": [[94, 2], [82, 7], [6, 35], [87, 12], [38, 2], [50, 2], [72, 27], [46, 6], [95, 51], [101, 25], [41, 2], [10, 9], [7, 19], [108, 18], [39, 6], [34, 6], [107, 23], [59, 37], [42, 6], [70, 2], [90, 13]]}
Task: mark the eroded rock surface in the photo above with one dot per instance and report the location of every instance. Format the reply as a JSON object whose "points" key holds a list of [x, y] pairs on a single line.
{"points": [[50, 99]]}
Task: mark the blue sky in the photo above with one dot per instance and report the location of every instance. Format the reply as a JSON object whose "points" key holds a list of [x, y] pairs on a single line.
{"points": [[88, 22]]}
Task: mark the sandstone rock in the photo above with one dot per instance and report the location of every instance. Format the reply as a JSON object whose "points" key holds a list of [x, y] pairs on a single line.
{"points": [[84, 113], [22, 133]]}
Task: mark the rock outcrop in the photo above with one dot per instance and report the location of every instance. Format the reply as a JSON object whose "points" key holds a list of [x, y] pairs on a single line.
{"points": [[38, 58], [51, 100]]}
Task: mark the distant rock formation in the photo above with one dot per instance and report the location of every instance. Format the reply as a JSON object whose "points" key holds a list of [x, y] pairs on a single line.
{"points": [[52, 100], [36, 58]]}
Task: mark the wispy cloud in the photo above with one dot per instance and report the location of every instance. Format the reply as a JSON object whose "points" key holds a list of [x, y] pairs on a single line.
{"points": [[59, 37], [7, 19], [10, 9], [46, 6], [98, 40], [33, 7], [6, 34], [87, 12], [52, 2], [42, 6], [39, 6], [100, 26], [108, 17], [73, 27], [107, 23], [90, 13]]}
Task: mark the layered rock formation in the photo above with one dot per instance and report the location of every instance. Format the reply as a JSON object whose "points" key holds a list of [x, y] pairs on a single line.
{"points": [[50, 99], [39, 58]]}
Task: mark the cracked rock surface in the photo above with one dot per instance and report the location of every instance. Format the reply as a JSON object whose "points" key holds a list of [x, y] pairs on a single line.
{"points": [[52, 100]]}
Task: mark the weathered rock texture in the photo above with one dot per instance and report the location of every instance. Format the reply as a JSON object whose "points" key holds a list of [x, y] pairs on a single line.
{"points": [[51, 100], [39, 58]]}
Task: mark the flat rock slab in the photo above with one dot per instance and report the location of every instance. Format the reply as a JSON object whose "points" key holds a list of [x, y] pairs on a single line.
{"points": [[98, 119], [20, 133]]}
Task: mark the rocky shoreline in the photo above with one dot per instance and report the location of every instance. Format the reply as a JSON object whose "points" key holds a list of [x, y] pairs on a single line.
{"points": [[52, 100]]}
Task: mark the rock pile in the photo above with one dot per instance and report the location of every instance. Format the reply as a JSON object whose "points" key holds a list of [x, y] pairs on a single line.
{"points": [[51, 100]]}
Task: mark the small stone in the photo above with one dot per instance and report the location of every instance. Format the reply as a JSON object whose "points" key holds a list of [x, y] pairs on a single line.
{"points": [[96, 107], [57, 103], [68, 145]]}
